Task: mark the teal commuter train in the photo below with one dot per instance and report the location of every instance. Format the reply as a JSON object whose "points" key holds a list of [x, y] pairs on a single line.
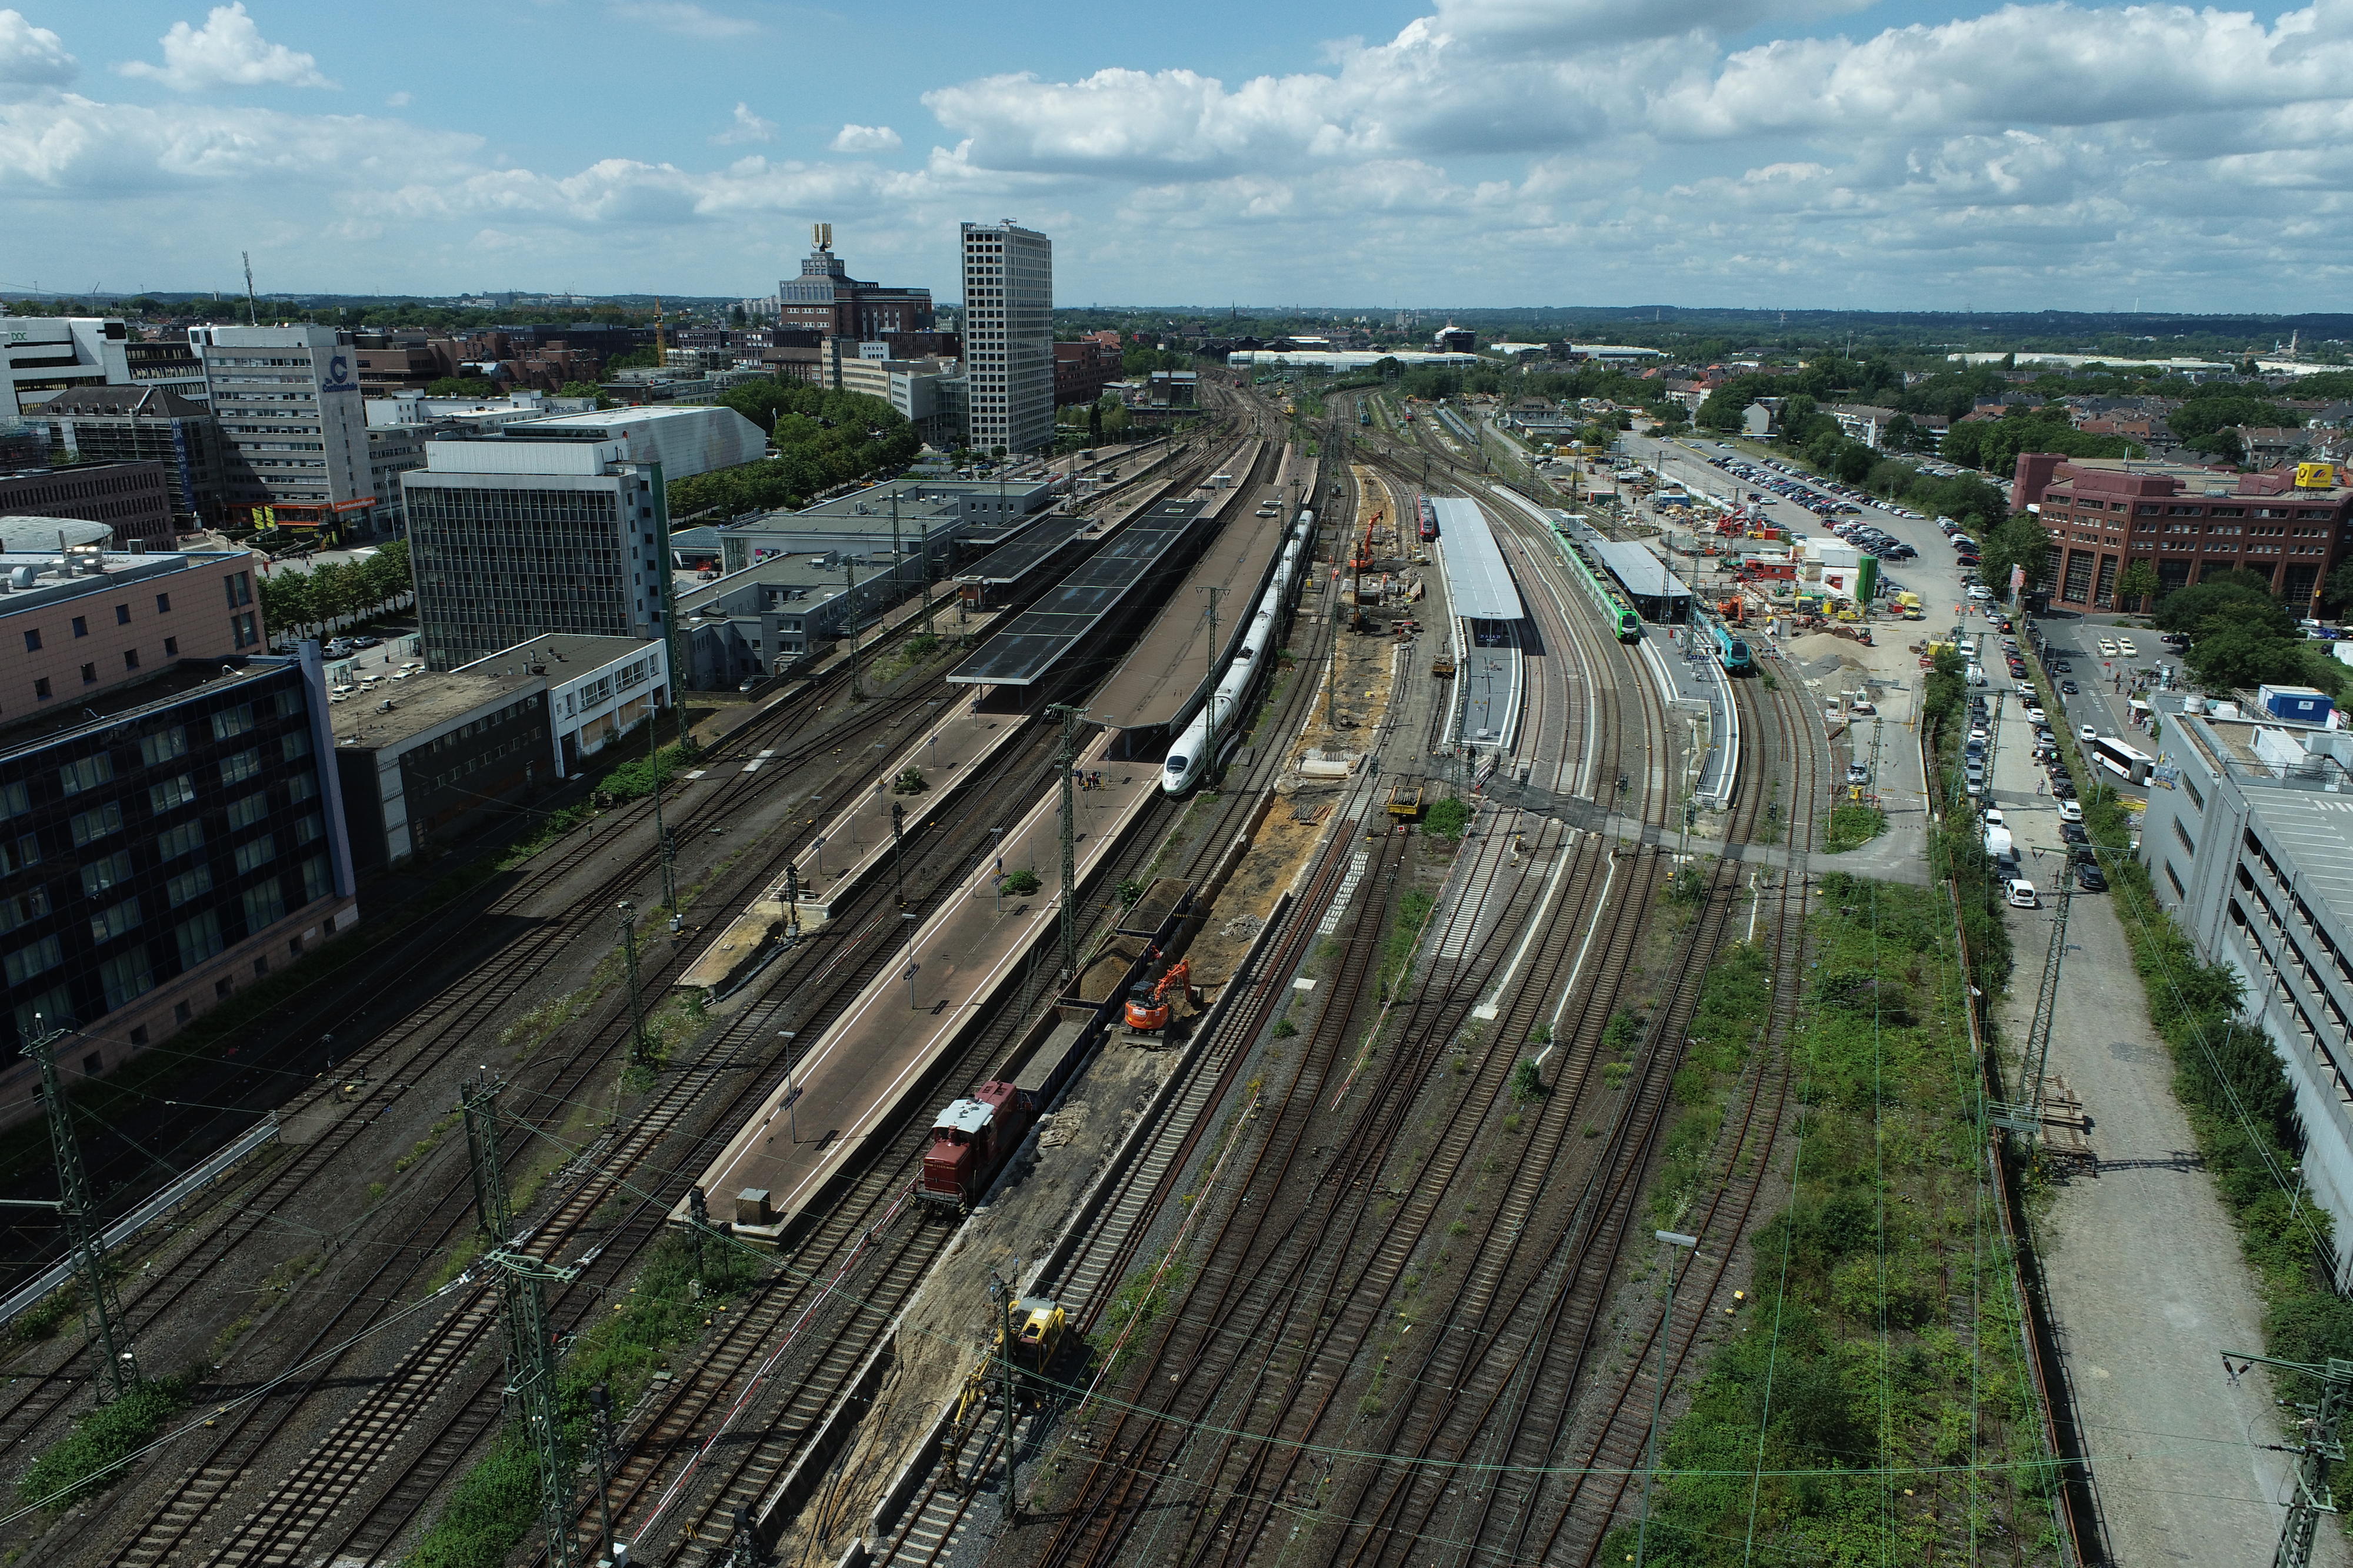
{"points": [[1612, 605]]}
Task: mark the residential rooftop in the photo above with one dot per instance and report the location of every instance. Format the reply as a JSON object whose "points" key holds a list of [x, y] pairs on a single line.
{"points": [[396, 710]]}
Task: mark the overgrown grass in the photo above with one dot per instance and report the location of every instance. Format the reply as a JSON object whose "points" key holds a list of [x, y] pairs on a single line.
{"points": [[495, 1505], [1872, 1406], [1447, 819], [1404, 935], [1734, 1002], [1854, 824], [89, 1459]]}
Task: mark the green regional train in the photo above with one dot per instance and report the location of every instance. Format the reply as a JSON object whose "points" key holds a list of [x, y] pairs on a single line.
{"points": [[1604, 594]]}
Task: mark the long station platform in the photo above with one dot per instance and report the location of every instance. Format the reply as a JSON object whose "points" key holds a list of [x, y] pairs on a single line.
{"points": [[1489, 624], [1032, 647], [848, 1084], [1165, 677]]}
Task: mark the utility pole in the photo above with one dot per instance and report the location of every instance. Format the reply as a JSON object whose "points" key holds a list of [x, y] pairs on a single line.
{"points": [[2025, 1116], [898, 854], [120, 1374], [1659, 1387], [661, 832], [1068, 754], [637, 1053], [1002, 1295], [2321, 1448], [1209, 673], [849, 603], [531, 1344], [600, 1415]]}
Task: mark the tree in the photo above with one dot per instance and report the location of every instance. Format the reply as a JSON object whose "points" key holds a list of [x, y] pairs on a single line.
{"points": [[2020, 542], [2230, 598], [459, 386], [2237, 653], [2136, 583], [2339, 589]]}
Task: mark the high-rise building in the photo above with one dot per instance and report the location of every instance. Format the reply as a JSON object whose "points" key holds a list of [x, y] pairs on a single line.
{"points": [[1008, 337], [171, 824], [41, 356], [826, 298], [288, 399]]}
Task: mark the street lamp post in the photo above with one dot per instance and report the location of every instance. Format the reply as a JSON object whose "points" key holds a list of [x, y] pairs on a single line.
{"points": [[1672, 1238]]}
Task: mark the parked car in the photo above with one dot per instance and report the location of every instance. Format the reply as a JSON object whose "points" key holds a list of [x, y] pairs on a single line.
{"points": [[2064, 787], [2069, 811], [2022, 894], [2091, 879], [2074, 833], [2068, 688], [1858, 773]]}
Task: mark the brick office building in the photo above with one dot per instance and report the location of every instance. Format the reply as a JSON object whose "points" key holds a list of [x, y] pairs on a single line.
{"points": [[2188, 522], [133, 498]]}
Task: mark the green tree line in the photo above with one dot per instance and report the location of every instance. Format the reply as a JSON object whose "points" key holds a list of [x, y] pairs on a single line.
{"points": [[818, 440], [335, 592]]}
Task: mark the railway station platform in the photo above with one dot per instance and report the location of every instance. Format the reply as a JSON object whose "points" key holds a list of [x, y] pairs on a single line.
{"points": [[848, 1084], [1489, 621], [1034, 649], [1656, 592], [1163, 681]]}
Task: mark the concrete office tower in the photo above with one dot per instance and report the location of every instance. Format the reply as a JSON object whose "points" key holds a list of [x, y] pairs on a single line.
{"points": [[288, 399], [513, 539], [1008, 337]]}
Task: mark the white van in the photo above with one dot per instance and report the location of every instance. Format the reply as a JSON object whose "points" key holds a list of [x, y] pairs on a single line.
{"points": [[1976, 675]]}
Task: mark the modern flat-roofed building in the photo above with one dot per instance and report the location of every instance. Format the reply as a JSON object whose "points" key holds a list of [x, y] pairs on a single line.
{"points": [[684, 441], [2248, 841], [946, 517], [423, 759], [598, 689], [2188, 522], [288, 399], [1008, 337], [756, 622], [146, 423], [166, 835], [41, 356], [513, 539], [133, 500]]}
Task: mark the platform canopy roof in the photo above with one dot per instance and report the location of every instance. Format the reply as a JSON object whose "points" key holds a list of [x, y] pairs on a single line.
{"points": [[1479, 586]]}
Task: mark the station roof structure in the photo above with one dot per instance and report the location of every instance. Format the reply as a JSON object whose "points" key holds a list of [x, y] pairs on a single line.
{"points": [[1036, 640], [1165, 676], [1641, 574], [1479, 586], [1012, 561]]}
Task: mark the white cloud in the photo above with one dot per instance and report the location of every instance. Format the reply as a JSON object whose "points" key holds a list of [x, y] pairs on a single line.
{"points": [[400, 100], [745, 127], [683, 17], [865, 139], [33, 61], [228, 50]]}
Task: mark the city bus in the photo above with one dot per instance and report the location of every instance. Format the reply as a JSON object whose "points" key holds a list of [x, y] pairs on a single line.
{"points": [[2127, 763]]}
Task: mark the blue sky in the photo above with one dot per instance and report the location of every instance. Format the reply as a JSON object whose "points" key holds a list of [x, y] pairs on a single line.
{"points": [[1475, 153]]}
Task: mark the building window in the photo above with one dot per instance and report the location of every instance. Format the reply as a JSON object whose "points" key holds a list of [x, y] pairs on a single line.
{"points": [[33, 640], [131, 658], [121, 614], [264, 906], [243, 628], [170, 647], [90, 675], [23, 908], [199, 940], [2190, 789], [186, 839], [232, 722], [114, 871], [2178, 891], [296, 745], [181, 1012], [38, 958], [163, 604], [189, 885], [97, 823], [245, 813], [316, 884], [2182, 834], [86, 772], [82, 626], [301, 787], [235, 770], [113, 920], [261, 852], [164, 746], [240, 589]]}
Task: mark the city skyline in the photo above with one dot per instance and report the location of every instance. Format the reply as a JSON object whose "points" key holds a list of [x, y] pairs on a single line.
{"points": [[1479, 152]]}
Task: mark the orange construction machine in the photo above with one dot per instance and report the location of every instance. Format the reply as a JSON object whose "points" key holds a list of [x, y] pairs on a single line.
{"points": [[1362, 561], [1149, 1003]]}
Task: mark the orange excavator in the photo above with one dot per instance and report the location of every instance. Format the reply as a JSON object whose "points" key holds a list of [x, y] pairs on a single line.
{"points": [[1362, 561], [1148, 1005]]}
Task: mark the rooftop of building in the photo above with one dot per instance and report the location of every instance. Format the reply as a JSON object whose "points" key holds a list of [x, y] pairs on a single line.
{"points": [[144, 401], [2143, 476], [819, 577], [123, 702], [400, 709], [560, 654], [40, 578], [35, 535]]}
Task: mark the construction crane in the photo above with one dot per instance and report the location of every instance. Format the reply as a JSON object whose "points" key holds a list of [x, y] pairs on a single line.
{"points": [[1362, 561]]}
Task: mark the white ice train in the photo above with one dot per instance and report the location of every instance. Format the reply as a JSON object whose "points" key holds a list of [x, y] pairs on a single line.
{"points": [[1190, 757]]}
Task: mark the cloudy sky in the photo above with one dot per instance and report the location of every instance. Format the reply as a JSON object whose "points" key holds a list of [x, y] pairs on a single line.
{"points": [[1479, 152]]}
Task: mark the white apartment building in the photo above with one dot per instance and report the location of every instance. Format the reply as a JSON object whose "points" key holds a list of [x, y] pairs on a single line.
{"points": [[288, 399], [1008, 337], [41, 356]]}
